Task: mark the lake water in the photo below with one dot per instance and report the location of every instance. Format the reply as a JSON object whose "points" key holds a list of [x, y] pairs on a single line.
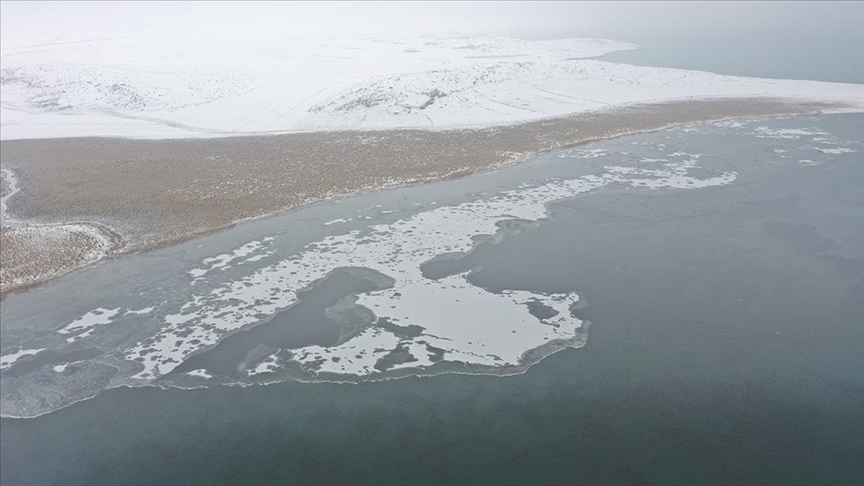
{"points": [[725, 339], [817, 56], [786, 40]]}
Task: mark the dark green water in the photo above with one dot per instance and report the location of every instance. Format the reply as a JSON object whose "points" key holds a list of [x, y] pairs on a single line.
{"points": [[726, 348]]}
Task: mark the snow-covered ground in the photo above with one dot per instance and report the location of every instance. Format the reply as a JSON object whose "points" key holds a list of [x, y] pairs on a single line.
{"points": [[163, 85]]}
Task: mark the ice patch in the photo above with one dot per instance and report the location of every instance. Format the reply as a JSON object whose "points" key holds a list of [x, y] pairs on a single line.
{"points": [[9, 359], [583, 154], [835, 151], [337, 221], [268, 365], [785, 133], [685, 154], [250, 252], [98, 317], [200, 373], [143, 311], [729, 124], [83, 335], [455, 316]]}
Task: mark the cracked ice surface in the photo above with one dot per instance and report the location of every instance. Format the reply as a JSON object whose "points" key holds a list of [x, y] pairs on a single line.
{"points": [[460, 322]]}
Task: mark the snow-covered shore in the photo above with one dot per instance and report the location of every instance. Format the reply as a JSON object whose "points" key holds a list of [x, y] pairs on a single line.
{"points": [[162, 86]]}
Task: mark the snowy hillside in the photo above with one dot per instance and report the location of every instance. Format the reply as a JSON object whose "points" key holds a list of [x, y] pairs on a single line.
{"points": [[160, 85]]}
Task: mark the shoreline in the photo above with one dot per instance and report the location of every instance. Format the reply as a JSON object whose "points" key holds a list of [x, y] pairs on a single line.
{"points": [[504, 373], [840, 105], [431, 156], [801, 122], [92, 241]]}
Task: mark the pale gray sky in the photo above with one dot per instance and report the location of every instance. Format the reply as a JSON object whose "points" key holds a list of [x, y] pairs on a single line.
{"points": [[84, 19]]}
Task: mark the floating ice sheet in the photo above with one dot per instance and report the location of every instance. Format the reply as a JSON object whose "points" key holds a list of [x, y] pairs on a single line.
{"points": [[460, 322]]}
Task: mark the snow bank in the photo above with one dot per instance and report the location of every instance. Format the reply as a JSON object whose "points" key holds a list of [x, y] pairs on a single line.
{"points": [[165, 86]]}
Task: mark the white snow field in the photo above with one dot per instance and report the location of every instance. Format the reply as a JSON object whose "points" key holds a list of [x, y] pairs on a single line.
{"points": [[169, 85]]}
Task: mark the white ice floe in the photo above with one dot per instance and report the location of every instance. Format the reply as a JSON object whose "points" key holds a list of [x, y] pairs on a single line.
{"points": [[268, 365], [685, 154], [836, 151], [80, 336], [144, 311], [785, 133], [250, 252], [337, 221], [453, 319], [200, 373], [728, 124], [451, 311], [86, 325], [673, 174], [170, 84], [9, 359], [582, 154], [97, 317]]}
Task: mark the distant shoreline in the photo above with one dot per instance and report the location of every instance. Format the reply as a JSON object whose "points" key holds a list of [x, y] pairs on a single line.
{"points": [[154, 193]]}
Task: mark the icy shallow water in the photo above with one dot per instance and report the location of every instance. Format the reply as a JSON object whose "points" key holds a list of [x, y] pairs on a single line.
{"points": [[725, 345], [411, 305]]}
